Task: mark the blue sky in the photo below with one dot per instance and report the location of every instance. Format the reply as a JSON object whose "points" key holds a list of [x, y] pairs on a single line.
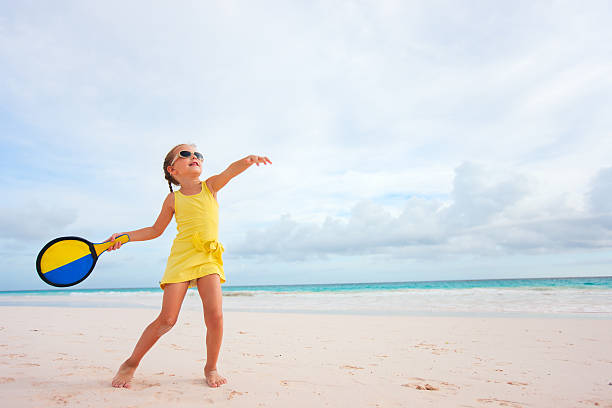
{"points": [[411, 140]]}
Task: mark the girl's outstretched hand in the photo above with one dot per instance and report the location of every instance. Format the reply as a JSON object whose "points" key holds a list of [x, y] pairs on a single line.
{"points": [[117, 244], [254, 159]]}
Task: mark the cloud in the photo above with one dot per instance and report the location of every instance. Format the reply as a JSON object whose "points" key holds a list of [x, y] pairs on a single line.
{"points": [[478, 196], [600, 195], [34, 221], [482, 217]]}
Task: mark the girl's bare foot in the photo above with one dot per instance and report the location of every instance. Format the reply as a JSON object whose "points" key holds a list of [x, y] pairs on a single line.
{"points": [[124, 375], [213, 379]]}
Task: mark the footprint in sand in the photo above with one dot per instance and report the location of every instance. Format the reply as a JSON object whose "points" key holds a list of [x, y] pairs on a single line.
{"points": [[427, 387], [169, 395], [234, 393], [351, 367], [62, 399], [141, 385], [65, 359], [434, 348], [501, 403], [15, 355], [39, 383], [590, 402], [430, 385]]}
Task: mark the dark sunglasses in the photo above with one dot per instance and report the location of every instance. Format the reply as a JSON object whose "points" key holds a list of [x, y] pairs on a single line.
{"points": [[186, 154]]}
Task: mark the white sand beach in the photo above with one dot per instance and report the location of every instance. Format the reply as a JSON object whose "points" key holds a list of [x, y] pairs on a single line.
{"points": [[56, 356]]}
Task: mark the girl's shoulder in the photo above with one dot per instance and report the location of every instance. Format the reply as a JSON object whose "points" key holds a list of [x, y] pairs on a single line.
{"points": [[207, 185], [169, 201]]}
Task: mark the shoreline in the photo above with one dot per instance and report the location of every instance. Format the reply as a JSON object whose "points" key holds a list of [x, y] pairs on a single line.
{"points": [[561, 302], [424, 314]]}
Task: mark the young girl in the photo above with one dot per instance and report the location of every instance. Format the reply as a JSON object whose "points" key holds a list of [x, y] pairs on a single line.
{"points": [[195, 257]]}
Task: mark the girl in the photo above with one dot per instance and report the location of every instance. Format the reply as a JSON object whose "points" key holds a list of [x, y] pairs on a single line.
{"points": [[195, 257]]}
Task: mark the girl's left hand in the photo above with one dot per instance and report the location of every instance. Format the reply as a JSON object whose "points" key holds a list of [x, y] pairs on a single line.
{"points": [[116, 245], [253, 159]]}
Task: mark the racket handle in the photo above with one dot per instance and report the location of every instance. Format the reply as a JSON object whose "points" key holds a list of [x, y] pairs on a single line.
{"points": [[124, 238]]}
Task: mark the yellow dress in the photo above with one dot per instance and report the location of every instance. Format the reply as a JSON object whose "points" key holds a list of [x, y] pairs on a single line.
{"points": [[195, 251]]}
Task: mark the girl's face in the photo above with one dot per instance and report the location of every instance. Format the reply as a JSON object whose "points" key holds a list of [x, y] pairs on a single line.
{"points": [[186, 166]]}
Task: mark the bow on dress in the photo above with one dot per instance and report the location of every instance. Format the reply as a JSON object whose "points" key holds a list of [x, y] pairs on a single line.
{"points": [[214, 247]]}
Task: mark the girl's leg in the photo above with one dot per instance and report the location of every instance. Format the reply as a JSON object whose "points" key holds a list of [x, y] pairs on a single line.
{"points": [[174, 293], [209, 287]]}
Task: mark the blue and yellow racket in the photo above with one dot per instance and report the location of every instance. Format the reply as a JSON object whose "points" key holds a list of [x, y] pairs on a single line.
{"points": [[67, 261]]}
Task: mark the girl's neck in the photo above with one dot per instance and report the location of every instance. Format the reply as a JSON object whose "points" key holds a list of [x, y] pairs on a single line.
{"points": [[192, 186]]}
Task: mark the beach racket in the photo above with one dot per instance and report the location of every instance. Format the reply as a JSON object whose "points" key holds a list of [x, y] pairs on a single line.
{"points": [[67, 261]]}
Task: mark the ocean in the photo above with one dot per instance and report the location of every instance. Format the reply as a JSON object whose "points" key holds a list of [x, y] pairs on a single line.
{"points": [[587, 297]]}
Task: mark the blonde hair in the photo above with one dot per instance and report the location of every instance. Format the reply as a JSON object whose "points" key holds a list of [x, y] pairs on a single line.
{"points": [[169, 157]]}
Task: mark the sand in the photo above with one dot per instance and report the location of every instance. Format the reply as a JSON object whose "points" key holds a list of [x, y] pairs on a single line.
{"points": [[54, 356]]}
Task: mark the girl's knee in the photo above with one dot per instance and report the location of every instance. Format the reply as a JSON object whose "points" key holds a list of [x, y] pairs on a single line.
{"points": [[213, 319], [166, 323]]}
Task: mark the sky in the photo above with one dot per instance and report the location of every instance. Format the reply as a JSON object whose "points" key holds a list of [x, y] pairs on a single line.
{"points": [[410, 140]]}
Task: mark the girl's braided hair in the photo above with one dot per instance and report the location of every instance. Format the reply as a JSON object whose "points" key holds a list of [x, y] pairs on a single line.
{"points": [[169, 157]]}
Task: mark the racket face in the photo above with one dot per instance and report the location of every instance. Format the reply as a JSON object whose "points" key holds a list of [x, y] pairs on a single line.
{"points": [[66, 261]]}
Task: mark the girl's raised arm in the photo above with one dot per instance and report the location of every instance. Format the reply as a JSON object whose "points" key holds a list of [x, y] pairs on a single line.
{"points": [[217, 182], [155, 230]]}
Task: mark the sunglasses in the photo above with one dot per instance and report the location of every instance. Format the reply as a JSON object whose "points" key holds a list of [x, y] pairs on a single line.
{"points": [[186, 154]]}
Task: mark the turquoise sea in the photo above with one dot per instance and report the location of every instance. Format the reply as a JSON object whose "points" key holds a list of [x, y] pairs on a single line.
{"points": [[602, 282], [559, 297]]}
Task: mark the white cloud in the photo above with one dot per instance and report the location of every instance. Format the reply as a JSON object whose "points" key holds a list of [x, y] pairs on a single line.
{"points": [[477, 196], [33, 221], [483, 216], [600, 195]]}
